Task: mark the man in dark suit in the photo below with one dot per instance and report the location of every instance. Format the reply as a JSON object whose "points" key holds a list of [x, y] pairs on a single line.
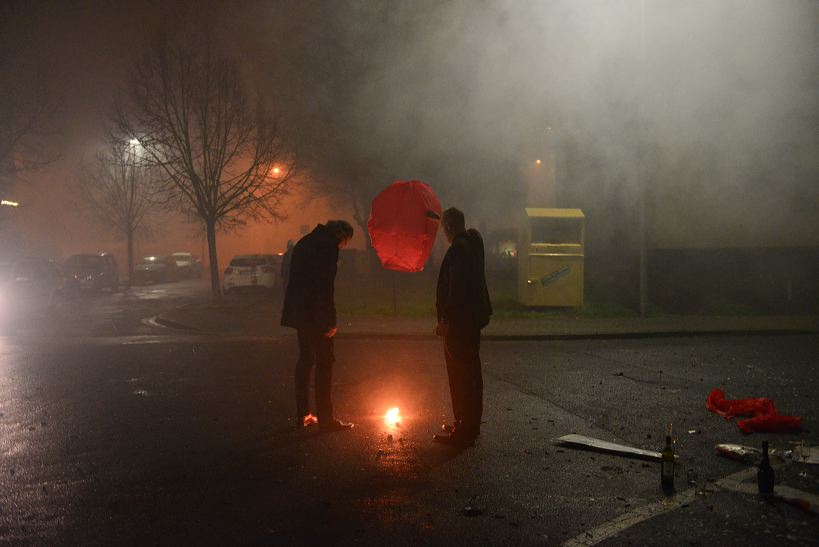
{"points": [[309, 307], [463, 310]]}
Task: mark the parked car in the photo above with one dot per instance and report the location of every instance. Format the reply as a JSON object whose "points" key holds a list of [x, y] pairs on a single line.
{"points": [[259, 270], [28, 287], [188, 264], [155, 269], [92, 271]]}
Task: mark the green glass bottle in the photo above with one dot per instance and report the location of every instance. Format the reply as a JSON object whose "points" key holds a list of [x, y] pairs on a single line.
{"points": [[667, 466], [765, 473]]}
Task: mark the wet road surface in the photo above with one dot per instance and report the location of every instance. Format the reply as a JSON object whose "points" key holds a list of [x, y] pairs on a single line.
{"points": [[152, 437]]}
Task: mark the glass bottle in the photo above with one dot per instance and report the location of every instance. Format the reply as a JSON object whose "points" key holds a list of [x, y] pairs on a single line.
{"points": [[765, 473], [667, 466]]}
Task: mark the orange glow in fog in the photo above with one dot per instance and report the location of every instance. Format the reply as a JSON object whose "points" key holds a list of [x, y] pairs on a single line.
{"points": [[393, 416]]}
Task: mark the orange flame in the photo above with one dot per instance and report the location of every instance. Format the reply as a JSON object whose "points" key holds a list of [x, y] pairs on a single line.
{"points": [[393, 416]]}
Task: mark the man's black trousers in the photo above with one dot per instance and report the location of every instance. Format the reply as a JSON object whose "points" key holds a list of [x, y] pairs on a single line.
{"points": [[463, 365], [315, 349]]}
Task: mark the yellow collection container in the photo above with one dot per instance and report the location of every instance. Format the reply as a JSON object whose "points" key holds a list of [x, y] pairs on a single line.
{"points": [[551, 257]]}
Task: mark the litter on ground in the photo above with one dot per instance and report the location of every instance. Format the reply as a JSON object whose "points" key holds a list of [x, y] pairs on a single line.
{"points": [[765, 416], [605, 446]]}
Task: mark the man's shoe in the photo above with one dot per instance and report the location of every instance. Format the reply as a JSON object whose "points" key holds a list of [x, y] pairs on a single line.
{"points": [[447, 428], [303, 422], [334, 425], [457, 426], [454, 439]]}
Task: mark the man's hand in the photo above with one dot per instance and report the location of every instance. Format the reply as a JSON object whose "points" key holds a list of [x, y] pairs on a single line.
{"points": [[331, 332], [441, 329]]}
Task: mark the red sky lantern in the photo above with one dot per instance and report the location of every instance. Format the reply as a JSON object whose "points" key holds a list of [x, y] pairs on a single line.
{"points": [[403, 224]]}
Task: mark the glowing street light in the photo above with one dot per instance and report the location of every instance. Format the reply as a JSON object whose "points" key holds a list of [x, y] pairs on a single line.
{"points": [[276, 170], [538, 162], [9, 203]]}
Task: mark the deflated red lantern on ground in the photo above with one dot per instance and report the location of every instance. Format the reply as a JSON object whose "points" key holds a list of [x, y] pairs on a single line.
{"points": [[403, 224], [766, 417]]}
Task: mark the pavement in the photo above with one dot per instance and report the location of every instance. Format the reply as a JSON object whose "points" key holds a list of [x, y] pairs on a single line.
{"points": [[114, 431], [260, 317]]}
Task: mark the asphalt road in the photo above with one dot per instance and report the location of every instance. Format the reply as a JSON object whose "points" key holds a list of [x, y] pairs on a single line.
{"points": [[113, 431]]}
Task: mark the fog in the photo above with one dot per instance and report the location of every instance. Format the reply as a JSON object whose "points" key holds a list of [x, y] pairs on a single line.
{"points": [[709, 109], [715, 101]]}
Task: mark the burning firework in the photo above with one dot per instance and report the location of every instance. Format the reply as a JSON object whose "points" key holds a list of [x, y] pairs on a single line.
{"points": [[393, 416]]}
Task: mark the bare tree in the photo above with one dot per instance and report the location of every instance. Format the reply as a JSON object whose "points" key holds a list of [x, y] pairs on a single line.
{"points": [[343, 156], [26, 108], [21, 122], [348, 183], [117, 190], [25, 113], [223, 160]]}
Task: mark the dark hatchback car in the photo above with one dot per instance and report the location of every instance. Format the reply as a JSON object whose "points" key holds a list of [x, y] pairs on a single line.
{"points": [[156, 269], [92, 272]]}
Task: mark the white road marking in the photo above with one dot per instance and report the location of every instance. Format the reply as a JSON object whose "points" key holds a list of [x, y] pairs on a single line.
{"points": [[645, 512], [804, 500], [627, 520]]}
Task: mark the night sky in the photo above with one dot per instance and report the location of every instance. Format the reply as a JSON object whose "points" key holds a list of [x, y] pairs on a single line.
{"points": [[460, 94]]}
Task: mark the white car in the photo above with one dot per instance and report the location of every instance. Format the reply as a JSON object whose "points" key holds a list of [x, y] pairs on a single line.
{"points": [[189, 265], [261, 270]]}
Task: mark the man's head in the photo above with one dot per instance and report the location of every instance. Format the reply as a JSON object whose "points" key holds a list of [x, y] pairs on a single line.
{"points": [[343, 231], [453, 221]]}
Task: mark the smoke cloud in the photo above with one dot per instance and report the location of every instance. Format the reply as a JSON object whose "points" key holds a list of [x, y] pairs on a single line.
{"points": [[712, 107], [711, 103]]}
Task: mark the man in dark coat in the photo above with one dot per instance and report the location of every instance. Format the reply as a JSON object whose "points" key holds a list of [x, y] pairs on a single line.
{"points": [[309, 307], [463, 310]]}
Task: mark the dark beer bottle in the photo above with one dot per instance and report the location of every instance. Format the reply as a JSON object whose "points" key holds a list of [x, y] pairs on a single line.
{"points": [[765, 473], [667, 466]]}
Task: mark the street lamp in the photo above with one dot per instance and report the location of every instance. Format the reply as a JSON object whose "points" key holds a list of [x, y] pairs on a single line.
{"points": [[135, 152]]}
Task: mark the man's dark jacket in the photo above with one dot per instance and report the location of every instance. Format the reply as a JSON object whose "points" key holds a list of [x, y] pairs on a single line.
{"points": [[462, 296], [309, 298]]}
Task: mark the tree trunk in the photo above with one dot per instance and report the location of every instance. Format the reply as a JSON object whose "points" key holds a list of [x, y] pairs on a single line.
{"points": [[362, 223], [215, 288], [130, 237]]}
